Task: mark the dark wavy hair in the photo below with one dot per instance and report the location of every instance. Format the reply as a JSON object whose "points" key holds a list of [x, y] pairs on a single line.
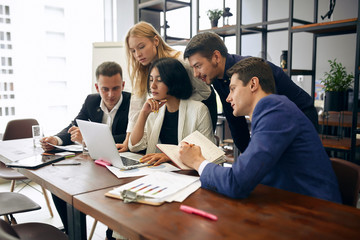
{"points": [[175, 77]]}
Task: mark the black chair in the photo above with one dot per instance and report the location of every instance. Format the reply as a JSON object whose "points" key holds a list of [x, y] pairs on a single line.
{"points": [[11, 203], [348, 175], [30, 231], [17, 129]]}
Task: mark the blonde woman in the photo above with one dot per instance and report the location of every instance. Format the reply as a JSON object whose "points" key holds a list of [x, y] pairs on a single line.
{"points": [[144, 45]]}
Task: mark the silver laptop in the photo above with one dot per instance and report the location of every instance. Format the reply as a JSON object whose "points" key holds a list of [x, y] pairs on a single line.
{"points": [[101, 145]]}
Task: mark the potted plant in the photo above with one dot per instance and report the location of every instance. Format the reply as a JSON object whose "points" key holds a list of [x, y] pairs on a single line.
{"points": [[214, 16], [337, 81]]}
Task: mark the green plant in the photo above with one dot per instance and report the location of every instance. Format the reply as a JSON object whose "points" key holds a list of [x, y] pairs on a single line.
{"points": [[214, 14], [337, 79]]}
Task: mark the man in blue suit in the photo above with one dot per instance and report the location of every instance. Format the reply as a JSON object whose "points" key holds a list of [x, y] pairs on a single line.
{"points": [[209, 58], [285, 150]]}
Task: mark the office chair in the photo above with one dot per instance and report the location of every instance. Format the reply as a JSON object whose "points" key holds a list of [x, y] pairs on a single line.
{"points": [[30, 231], [12, 202], [348, 175], [17, 129]]}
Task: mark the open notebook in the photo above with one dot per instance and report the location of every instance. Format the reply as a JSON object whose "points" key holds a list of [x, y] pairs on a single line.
{"points": [[208, 149]]}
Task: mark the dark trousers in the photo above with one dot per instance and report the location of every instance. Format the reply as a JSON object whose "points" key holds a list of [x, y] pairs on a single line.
{"points": [[61, 208]]}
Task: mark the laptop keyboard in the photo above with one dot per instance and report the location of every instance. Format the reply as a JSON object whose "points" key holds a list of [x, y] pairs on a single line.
{"points": [[129, 162]]}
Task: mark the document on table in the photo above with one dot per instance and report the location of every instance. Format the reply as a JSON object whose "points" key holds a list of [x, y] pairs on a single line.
{"points": [[15, 150], [142, 171], [69, 148], [157, 188]]}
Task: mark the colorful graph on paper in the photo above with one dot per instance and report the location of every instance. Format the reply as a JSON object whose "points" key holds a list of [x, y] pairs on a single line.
{"points": [[159, 185]]}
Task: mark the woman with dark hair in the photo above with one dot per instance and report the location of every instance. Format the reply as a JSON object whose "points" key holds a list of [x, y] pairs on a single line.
{"points": [[143, 45], [169, 116]]}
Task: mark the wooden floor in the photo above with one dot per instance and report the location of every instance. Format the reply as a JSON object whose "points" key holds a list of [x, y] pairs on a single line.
{"points": [[34, 192]]}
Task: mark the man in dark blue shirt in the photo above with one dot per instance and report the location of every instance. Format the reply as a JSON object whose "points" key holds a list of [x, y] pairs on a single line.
{"points": [[285, 150], [209, 57]]}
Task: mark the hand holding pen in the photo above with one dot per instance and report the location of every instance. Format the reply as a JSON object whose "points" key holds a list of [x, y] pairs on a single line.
{"points": [[75, 133]]}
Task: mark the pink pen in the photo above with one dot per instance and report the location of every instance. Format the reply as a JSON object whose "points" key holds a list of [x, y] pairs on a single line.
{"points": [[188, 209]]}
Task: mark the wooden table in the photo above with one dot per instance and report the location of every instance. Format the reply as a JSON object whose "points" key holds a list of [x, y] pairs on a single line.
{"points": [[268, 213], [343, 119], [335, 131], [69, 181]]}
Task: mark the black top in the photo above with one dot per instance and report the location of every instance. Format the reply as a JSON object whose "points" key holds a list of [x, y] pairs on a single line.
{"points": [[169, 129]]}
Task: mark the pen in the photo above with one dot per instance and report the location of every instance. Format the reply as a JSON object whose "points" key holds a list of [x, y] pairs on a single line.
{"points": [[65, 164], [47, 154], [190, 144], [199, 212], [73, 123]]}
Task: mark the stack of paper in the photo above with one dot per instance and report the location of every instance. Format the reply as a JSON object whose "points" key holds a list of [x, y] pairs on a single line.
{"points": [[142, 171], [159, 187]]}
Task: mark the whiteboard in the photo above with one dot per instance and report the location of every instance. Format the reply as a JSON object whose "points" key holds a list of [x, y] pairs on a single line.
{"points": [[110, 51]]}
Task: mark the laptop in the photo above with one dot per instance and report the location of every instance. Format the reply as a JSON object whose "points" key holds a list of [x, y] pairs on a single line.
{"points": [[101, 145], [34, 162]]}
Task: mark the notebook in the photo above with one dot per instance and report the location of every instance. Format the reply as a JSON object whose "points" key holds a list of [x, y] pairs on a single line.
{"points": [[208, 149], [101, 145], [34, 162]]}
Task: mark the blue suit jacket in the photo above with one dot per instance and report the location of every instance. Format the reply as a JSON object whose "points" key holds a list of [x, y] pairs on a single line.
{"points": [[91, 111], [285, 152], [284, 86]]}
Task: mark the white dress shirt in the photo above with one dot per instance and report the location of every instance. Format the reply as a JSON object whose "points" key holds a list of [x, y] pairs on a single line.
{"points": [[108, 117]]}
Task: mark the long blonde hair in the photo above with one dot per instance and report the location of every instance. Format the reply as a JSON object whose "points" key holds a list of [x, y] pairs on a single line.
{"points": [[138, 72]]}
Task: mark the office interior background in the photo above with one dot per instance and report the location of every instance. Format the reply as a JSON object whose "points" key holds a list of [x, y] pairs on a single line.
{"points": [[46, 48]]}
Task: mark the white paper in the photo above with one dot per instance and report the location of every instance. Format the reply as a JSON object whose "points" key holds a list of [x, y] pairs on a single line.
{"points": [[142, 171], [183, 194], [208, 149], [70, 148], [162, 186], [14, 150]]}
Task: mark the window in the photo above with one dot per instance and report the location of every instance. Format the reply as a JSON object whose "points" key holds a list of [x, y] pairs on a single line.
{"points": [[53, 57]]}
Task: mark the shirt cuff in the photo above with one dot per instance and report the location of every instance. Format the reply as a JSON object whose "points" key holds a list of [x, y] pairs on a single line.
{"points": [[60, 142], [202, 166]]}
